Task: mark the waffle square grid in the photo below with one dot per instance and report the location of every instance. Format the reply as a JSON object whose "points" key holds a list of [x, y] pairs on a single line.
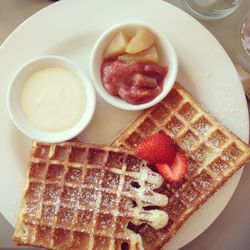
{"points": [[214, 155], [82, 196]]}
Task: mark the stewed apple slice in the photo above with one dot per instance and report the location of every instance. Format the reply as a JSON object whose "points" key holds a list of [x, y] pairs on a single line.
{"points": [[148, 55], [117, 45], [142, 40]]}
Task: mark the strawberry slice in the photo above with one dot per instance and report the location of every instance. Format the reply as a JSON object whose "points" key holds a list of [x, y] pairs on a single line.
{"points": [[176, 171], [158, 148]]}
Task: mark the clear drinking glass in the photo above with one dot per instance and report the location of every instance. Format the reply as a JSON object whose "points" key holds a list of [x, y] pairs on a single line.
{"points": [[211, 9], [245, 34]]}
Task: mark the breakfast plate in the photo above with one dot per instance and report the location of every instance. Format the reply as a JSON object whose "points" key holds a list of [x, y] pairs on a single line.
{"points": [[70, 30]]}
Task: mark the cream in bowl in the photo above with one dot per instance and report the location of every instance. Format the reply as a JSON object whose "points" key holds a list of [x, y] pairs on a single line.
{"points": [[133, 66], [50, 99]]}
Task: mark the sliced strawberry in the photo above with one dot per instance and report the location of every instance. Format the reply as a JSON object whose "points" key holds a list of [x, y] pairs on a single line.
{"points": [[176, 171], [158, 148]]}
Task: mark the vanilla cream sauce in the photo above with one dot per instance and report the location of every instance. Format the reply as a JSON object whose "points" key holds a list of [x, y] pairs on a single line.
{"points": [[53, 99]]}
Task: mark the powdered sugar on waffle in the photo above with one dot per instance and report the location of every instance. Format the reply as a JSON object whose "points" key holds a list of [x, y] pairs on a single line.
{"points": [[213, 153], [82, 194]]}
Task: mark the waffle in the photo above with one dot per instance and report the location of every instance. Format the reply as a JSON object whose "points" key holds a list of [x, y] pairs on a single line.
{"points": [[83, 196], [214, 154]]}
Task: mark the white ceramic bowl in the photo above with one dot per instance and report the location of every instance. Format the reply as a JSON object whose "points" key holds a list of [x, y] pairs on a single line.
{"points": [[14, 99], [167, 57]]}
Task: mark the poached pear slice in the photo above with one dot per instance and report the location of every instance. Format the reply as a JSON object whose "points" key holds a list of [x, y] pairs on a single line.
{"points": [[142, 40], [117, 45], [146, 56]]}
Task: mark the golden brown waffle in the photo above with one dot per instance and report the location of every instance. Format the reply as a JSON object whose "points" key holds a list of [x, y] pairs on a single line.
{"points": [[214, 154], [82, 196]]}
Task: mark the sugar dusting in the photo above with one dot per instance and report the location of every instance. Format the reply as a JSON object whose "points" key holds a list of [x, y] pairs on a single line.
{"points": [[83, 196], [223, 104]]}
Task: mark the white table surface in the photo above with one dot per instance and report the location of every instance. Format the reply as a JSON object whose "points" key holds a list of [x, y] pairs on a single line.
{"points": [[225, 232]]}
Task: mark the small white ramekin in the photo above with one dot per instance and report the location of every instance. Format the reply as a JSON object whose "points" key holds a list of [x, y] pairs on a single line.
{"points": [[14, 99], [167, 57]]}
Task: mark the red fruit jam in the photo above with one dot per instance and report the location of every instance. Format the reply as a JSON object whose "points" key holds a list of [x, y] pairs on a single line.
{"points": [[134, 82]]}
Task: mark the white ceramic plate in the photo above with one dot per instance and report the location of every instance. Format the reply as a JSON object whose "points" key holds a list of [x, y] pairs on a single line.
{"points": [[70, 28]]}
